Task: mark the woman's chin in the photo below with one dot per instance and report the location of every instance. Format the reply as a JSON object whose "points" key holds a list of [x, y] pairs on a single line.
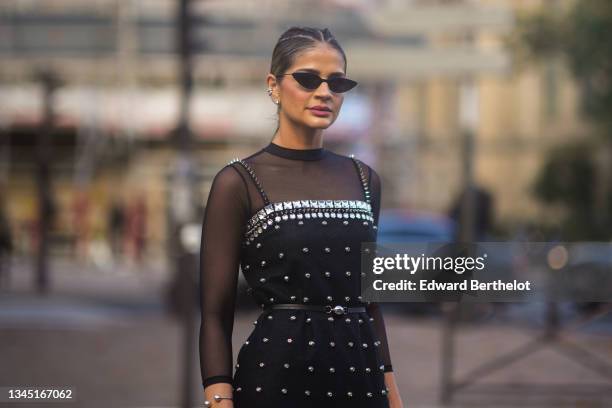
{"points": [[322, 123]]}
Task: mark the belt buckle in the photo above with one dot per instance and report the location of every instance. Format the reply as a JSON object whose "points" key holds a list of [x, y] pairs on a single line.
{"points": [[338, 309]]}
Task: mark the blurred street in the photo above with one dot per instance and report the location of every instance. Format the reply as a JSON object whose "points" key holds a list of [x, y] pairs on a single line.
{"points": [[486, 121], [108, 336]]}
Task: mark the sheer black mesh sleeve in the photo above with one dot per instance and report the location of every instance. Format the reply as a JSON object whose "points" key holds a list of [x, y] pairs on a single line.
{"points": [[374, 308], [225, 216]]}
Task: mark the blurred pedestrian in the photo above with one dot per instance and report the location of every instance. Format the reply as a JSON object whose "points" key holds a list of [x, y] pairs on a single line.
{"points": [[6, 245], [137, 228], [80, 212], [483, 212], [116, 227]]}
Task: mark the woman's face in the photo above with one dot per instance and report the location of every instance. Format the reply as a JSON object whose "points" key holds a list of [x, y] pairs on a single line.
{"points": [[297, 102]]}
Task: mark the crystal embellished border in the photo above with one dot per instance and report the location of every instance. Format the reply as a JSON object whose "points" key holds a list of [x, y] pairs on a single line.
{"points": [[305, 209]]}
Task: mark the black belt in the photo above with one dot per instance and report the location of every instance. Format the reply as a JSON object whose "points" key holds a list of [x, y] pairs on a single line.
{"points": [[338, 309]]}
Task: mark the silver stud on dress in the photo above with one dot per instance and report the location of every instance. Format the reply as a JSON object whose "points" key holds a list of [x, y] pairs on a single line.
{"points": [[305, 249], [332, 370], [352, 369], [324, 222], [349, 394], [262, 280], [308, 320], [281, 255], [365, 345], [347, 298], [284, 390], [347, 249], [367, 370], [307, 275], [307, 392], [270, 317], [348, 320], [345, 222], [290, 340], [311, 343], [327, 274], [330, 298], [261, 364], [310, 368], [258, 389], [265, 339], [331, 319], [258, 245], [332, 344], [286, 365], [286, 278], [263, 263], [305, 299], [292, 317], [351, 344], [369, 394], [347, 273], [330, 394], [327, 250]]}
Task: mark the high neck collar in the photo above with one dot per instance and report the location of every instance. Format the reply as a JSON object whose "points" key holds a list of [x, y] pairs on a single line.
{"points": [[295, 154]]}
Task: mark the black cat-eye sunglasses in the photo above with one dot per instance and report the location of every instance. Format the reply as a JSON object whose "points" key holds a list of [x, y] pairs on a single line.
{"points": [[312, 81]]}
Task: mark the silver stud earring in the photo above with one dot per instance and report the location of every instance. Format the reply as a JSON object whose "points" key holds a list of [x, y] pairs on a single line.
{"points": [[269, 90]]}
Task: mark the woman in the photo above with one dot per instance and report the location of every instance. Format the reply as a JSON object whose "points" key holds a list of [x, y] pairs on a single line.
{"points": [[293, 216]]}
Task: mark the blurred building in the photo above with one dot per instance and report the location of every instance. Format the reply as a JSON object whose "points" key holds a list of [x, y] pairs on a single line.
{"points": [[419, 64]]}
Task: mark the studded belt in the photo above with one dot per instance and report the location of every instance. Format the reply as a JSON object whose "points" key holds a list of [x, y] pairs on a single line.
{"points": [[338, 309]]}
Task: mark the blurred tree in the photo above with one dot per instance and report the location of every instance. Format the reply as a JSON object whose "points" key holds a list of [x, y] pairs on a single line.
{"points": [[578, 176], [566, 178]]}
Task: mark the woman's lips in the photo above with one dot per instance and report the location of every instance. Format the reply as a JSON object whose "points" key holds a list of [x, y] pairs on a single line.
{"points": [[319, 112]]}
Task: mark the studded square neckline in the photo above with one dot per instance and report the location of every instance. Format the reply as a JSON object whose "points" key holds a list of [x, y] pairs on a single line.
{"points": [[276, 212]]}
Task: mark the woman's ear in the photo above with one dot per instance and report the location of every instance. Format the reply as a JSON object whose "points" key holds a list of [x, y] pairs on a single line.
{"points": [[273, 87]]}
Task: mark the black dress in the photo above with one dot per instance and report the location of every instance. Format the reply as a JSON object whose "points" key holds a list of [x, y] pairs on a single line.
{"points": [[293, 221]]}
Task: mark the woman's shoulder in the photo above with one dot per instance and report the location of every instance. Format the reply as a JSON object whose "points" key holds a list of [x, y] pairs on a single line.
{"points": [[230, 175], [355, 159]]}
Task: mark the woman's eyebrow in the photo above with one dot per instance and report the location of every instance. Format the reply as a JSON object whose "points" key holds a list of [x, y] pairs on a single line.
{"points": [[314, 71]]}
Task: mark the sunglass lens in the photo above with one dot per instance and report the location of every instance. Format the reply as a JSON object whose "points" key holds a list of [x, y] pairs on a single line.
{"points": [[307, 80], [312, 81], [340, 85]]}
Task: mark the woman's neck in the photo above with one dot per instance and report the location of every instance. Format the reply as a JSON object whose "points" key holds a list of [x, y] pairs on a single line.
{"points": [[298, 137]]}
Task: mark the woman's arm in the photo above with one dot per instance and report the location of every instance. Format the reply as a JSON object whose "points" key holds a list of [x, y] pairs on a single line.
{"points": [[373, 308], [224, 389], [222, 234], [395, 400]]}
